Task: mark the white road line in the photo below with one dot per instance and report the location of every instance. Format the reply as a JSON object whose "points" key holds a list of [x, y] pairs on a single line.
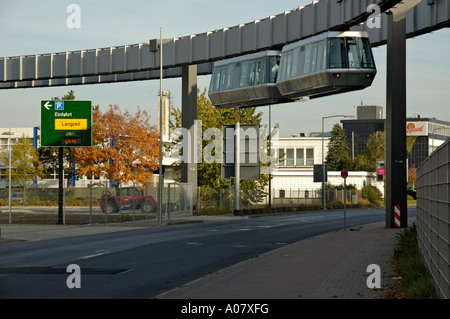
{"points": [[95, 255]]}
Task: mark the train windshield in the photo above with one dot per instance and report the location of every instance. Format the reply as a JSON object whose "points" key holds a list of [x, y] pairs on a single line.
{"points": [[353, 53], [359, 53]]}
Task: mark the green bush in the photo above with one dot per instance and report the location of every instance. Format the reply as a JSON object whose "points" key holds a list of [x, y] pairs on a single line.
{"points": [[416, 281], [371, 193]]}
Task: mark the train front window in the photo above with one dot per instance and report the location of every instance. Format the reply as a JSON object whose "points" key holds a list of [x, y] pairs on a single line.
{"points": [[353, 53], [366, 54], [359, 53], [337, 53]]}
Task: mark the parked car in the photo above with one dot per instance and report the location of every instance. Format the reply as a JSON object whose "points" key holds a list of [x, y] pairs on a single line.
{"points": [[125, 198]]}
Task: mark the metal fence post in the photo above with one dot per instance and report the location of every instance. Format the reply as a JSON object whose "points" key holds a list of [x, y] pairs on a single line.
{"points": [[90, 203]]}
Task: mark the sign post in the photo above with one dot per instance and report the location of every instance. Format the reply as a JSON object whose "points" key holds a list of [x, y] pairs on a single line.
{"points": [[65, 124], [344, 175]]}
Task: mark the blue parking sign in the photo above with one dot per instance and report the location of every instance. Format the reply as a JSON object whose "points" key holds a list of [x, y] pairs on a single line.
{"points": [[59, 106]]}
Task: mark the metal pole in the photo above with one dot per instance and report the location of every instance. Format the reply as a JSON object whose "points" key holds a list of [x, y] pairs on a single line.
{"points": [[90, 204], [345, 204], [9, 182], [270, 156], [396, 120], [106, 201], [134, 199], [64, 202], [237, 175], [160, 188], [60, 188], [323, 165]]}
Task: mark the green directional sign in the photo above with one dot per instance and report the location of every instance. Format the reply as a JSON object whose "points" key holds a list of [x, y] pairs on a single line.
{"points": [[66, 123]]}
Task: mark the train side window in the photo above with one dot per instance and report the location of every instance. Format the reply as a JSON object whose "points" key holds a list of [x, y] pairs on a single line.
{"points": [[301, 59], [314, 57], [236, 76], [337, 53], [230, 76], [223, 78], [259, 76], [288, 64], [307, 65], [294, 71], [262, 72], [244, 73], [252, 73], [282, 69], [216, 80], [320, 56]]}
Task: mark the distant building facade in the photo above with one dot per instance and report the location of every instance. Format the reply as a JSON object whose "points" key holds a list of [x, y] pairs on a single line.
{"points": [[8, 138], [431, 133]]}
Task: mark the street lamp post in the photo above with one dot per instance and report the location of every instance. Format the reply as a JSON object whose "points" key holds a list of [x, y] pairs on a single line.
{"points": [[9, 181], [323, 152]]}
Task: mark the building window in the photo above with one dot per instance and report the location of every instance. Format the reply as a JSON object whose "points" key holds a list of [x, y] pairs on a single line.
{"points": [[309, 157], [290, 157], [300, 159]]}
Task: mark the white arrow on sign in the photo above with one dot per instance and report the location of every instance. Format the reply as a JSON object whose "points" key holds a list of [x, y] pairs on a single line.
{"points": [[48, 105]]}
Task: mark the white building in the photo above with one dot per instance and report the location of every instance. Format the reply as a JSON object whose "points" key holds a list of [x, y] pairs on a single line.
{"points": [[8, 138], [295, 174]]}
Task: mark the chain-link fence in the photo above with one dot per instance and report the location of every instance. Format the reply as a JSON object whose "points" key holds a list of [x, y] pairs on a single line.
{"points": [[99, 202], [180, 200], [433, 216], [213, 200], [103, 201]]}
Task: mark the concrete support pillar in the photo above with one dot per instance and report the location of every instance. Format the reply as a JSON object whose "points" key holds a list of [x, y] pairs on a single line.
{"points": [[189, 115], [396, 175]]}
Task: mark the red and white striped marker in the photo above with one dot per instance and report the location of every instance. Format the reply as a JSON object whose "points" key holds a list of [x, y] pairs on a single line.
{"points": [[397, 216]]}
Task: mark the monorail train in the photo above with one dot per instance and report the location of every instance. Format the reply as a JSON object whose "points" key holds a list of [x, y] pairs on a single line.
{"points": [[246, 81], [329, 63]]}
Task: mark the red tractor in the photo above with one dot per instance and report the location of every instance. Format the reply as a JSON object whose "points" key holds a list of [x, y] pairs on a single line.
{"points": [[125, 198]]}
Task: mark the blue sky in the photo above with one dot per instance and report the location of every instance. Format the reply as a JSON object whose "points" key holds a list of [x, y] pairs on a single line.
{"points": [[30, 27]]}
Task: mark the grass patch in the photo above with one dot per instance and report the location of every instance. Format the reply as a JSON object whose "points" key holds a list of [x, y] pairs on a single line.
{"points": [[415, 280]]}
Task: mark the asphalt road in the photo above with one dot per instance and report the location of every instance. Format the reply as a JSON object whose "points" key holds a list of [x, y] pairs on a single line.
{"points": [[147, 262]]}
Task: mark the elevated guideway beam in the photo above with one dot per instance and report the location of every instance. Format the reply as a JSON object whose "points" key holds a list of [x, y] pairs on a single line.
{"points": [[141, 61], [138, 62]]}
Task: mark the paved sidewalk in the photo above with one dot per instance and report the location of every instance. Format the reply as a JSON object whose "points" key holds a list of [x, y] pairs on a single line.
{"points": [[329, 266]]}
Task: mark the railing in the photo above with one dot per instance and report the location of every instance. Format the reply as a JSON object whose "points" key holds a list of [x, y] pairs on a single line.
{"points": [[433, 216], [211, 201], [86, 205]]}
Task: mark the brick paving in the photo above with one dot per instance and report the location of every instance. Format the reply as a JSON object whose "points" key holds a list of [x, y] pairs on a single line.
{"points": [[330, 266]]}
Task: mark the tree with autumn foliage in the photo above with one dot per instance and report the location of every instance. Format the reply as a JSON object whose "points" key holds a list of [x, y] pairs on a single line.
{"points": [[25, 164], [125, 147], [209, 173]]}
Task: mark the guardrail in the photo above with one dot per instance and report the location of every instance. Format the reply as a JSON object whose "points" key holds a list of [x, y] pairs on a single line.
{"points": [[433, 216]]}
